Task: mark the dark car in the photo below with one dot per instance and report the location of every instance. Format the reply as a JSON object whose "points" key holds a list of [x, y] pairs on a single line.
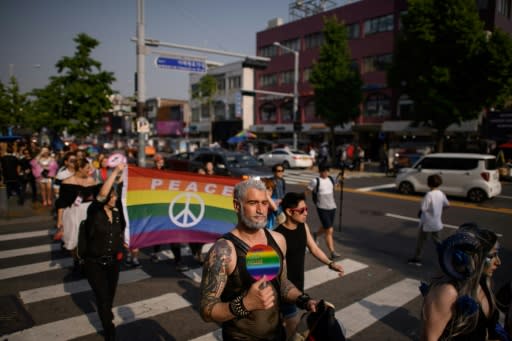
{"points": [[234, 164], [179, 162]]}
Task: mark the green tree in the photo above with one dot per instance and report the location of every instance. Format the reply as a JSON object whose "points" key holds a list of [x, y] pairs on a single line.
{"points": [[77, 98], [448, 65], [204, 92], [13, 106], [336, 82]]}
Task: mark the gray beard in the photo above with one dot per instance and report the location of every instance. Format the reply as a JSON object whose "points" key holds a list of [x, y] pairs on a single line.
{"points": [[250, 224]]}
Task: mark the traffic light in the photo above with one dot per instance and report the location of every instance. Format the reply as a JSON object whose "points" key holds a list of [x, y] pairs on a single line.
{"points": [[255, 64]]}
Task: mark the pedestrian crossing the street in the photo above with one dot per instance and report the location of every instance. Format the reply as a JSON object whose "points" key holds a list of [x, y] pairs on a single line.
{"points": [[43, 269]]}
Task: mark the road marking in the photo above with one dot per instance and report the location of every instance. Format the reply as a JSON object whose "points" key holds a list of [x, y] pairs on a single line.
{"points": [[86, 324], [75, 287], [416, 220], [30, 269], [504, 196], [371, 309], [391, 215], [374, 188], [29, 250], [453, 203], [312, 278], [24, 235]]}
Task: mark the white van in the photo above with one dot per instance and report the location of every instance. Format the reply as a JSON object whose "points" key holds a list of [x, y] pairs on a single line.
{"points": [[468, 175]]}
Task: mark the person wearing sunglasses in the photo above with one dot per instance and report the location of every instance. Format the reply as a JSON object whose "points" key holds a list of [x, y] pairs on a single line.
{"points": [[298, 236]]}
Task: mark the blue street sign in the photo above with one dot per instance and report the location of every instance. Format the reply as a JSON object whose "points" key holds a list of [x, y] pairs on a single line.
{"points": [[181, 64]]}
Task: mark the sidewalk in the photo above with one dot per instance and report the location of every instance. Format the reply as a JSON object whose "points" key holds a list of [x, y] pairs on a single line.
{"points": [[11, 213]]}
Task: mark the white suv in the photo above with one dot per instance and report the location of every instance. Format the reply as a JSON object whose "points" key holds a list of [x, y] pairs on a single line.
{"points": [[468, 175]]}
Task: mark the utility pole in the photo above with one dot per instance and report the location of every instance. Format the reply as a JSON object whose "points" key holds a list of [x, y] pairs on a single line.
{"points": [[296, 119], [141, 86]]}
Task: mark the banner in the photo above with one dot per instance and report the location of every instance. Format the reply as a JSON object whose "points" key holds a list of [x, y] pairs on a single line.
{"points": [[173, 207]]}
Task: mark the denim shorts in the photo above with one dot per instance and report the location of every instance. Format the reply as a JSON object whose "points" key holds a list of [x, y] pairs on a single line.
{"points": [[288, 310]]}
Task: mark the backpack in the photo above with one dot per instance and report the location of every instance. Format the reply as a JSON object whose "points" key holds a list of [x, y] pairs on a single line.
{"points": [[315, 191]]}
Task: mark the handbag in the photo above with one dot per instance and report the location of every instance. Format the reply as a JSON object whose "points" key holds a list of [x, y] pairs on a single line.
{"points": [[320, 325]]}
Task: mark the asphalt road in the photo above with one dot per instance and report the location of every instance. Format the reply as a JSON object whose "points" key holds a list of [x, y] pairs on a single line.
{"points": [[378, 298]]}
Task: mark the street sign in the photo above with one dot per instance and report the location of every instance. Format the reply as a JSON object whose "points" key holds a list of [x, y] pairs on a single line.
{"points": [[182, 63]]}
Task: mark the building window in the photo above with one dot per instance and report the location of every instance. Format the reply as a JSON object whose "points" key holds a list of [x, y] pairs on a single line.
{"points": [[313, 40], [234, 82], [268, 113], [380, 24], [287, 77], [195, 114], [353, 31], [219, 110], [405, 108], [232, 112], [377, 105], [309, 112], [503, 7], [293, 44], [482, 4], [287, 112], [268, 51], [205, 111], [221, 84], [306, 74], [268, 80], [376, 63]]}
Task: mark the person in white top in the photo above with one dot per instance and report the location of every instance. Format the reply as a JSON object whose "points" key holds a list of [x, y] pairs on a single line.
{"points": [[430, 214]]}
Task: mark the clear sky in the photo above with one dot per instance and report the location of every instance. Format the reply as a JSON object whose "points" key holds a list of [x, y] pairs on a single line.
{"points": [[40, 32]]}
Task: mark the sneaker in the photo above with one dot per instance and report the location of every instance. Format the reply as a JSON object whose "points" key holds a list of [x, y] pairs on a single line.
{"points": [[135, 262], [414, 261], [181, 267], [154, 258], [335, 255]]}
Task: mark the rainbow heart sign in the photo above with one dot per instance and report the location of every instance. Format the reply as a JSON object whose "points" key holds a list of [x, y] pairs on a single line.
{"points": [[176, 207]]}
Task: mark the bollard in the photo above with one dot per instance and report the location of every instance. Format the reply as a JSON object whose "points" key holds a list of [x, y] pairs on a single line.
{"points": [[3, 201]]}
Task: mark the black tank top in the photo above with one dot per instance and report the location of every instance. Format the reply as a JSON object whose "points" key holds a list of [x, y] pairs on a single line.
{"points": [[296, 242], [261, 325]]}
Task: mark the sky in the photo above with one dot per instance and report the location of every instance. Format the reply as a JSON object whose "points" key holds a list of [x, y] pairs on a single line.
{"points": [[36, 34]]}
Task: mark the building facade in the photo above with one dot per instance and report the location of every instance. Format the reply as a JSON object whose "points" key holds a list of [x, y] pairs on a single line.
{"points": [[372, 26]]}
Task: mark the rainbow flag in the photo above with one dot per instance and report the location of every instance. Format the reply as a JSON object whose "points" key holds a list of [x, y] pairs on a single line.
{"points": [[172, 207]]}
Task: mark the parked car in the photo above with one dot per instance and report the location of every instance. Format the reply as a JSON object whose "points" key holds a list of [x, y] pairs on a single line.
{"points": [[474, 176], [179, 162], [289, 158], [234, 164]]}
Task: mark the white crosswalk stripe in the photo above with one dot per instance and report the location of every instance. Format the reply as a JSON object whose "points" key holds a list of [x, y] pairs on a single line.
{"points": [[356, 316]]}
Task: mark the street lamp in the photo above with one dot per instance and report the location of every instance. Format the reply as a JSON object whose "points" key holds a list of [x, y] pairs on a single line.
{"points": [[295, 90]]}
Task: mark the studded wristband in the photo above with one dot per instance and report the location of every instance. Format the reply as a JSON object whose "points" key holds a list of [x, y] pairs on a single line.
{"points": [[302, 301], [236, 307]]}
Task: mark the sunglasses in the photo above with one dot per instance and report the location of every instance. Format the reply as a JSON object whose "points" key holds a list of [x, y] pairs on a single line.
{"points": [[300, 210], [279, 170]]}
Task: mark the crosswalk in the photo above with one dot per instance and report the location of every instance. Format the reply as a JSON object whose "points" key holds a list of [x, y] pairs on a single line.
{"points": [[304, 176], [145, 294]]}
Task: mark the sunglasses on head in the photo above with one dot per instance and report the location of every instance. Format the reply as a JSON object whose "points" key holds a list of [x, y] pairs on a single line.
{"points": [[300, 210]]}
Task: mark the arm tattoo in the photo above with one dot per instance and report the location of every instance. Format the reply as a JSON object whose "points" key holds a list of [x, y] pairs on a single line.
{"points": [[214, 277]]}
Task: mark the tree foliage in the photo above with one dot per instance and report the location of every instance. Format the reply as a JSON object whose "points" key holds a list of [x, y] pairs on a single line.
{"points": [[448, 65], [77, 98], [204, 92], [336, 82], [14, 107]]}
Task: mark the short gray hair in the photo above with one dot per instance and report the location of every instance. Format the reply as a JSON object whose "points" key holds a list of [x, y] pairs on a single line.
{"points": [[242, 187]]}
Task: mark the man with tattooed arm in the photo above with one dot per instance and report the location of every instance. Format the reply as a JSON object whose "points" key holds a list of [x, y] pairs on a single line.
{"points": [[247, 309]]}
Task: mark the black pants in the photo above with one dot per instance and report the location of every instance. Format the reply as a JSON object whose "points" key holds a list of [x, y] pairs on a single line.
{"points": [[103, 281]]}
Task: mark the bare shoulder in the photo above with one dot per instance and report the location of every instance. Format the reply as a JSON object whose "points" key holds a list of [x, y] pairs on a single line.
{"points": [[222, 254], [444, 294], [279, 238]]}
